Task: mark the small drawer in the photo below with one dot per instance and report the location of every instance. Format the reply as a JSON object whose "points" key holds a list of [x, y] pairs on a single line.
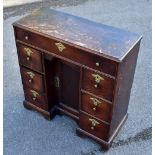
{"points": [[30, 57], [32, 79], [94, 126], [96, 107], [98, 84], [36, 98], [101, 64]]}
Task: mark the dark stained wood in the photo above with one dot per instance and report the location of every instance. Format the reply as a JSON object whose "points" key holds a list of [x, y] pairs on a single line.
{"points": [[70, 52], [104, 88], [67, 53], [101, 129], [30, 106], [36, 82], [52, 70], [111, 42], [40, 99], [102, 111], [68, 110], [123, 88], [106, 144], [35, 60], [69, 86]]}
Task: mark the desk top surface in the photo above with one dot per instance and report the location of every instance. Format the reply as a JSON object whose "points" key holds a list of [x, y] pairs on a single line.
{"points": [[105, 40]]}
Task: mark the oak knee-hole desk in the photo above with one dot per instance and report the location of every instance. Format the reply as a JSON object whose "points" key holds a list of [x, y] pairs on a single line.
{"points": [[77, 67]]}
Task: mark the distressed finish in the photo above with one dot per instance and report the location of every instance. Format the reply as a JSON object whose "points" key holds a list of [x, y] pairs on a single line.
{"points": [[112, 43], [73, 66]]}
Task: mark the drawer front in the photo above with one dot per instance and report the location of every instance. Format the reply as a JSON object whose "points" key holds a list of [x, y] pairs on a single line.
{"points": [[36, 98], [96, 107], [93, 126], [98, 84], [32, 79], [29, 57], [91, 60]]}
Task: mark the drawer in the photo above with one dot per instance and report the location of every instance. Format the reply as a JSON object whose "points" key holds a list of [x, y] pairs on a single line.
{"points": [[30, 57], [32, 79], [91, 60], [96, 107], [94, 126], [98, 84], [36, 98]]}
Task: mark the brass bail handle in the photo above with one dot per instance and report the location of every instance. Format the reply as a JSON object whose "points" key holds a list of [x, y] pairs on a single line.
{"points": [[28, 52], [97, 77], [31, 74], [94, 123], [96, 102], [35, 94]]}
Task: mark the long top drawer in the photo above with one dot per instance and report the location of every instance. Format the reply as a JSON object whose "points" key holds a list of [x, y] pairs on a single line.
{"points": [[70, 52]]}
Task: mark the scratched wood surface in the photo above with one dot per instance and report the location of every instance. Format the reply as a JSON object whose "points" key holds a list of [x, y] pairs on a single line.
{"points": [[111, 42]]}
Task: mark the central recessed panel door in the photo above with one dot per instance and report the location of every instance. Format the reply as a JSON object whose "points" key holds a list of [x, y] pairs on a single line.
{"points": [[70, 78]]}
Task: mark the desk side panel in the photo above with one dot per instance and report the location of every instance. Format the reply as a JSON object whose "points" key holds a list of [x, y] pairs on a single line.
{"points": [[126, 70]]}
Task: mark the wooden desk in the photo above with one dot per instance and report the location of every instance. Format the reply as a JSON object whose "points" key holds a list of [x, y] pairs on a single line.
{"points": [[77, 67]]}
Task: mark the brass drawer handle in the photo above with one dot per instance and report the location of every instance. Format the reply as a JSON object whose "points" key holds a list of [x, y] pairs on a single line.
{"points": [[28, 53], [96, 85], [97, 64], [28, 58], [94, 108], [31, 74], [60, 46], [93, 123], [35, 94], [97, 77], [96, 102], [30, 81], [26, 37]]}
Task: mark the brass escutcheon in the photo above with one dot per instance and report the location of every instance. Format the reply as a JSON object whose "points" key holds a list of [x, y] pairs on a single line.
{"points": [[97, 77], [60, 46], [56, 82]]}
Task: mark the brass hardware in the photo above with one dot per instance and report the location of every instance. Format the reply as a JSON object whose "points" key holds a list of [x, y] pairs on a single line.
{"points": [[31, 74], [30, 81], [28, 51], [96, 102], [34, 93], [28, 58], [94, 108], [56, 81], [97, 64], [60, 46], [26, 37], [93, 123], [34, 98], [97, 77], [95, 85], [92, 127]]}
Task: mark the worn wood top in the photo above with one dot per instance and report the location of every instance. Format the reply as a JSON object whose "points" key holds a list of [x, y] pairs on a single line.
{"points": [[104, 40]]}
